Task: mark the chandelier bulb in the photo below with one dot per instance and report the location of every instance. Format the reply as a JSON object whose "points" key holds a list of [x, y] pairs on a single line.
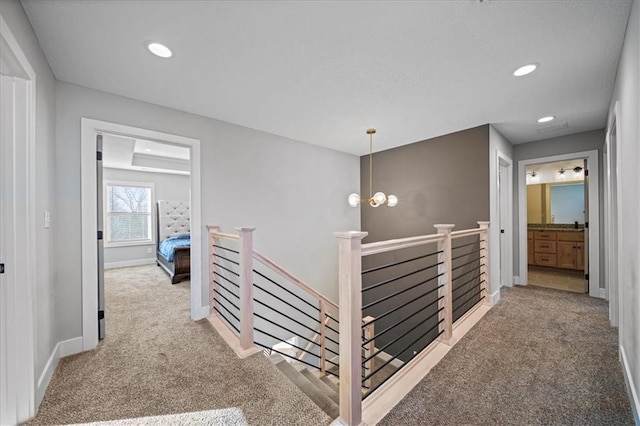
{"points": [[354, 200], [392, 201]]}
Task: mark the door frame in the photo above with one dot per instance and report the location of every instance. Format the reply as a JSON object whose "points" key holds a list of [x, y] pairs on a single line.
{"points": [[20, 359], [594, 216], [506, 250], [89, 129], [611, 221]]}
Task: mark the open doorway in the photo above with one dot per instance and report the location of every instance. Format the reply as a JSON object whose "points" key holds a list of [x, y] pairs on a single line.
{"points": [[557, 256], [90, 130], [574, 246], [143, 212]]}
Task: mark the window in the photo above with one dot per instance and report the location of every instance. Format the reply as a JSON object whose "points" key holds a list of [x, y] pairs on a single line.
{"points": [[128, 218]]}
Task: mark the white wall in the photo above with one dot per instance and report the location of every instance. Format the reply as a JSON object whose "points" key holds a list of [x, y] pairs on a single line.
{"points": [[293, 193], [627, 91], [166, 187], [45, 292], [497, 143], [579, 142]]}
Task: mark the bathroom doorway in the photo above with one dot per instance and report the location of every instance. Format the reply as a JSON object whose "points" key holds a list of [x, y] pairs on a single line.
{"points": [[556, 218], [557, 233]]}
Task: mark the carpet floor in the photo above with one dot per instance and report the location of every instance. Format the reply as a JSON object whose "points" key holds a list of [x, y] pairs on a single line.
{"points": [[540, 356], [156, 361]]}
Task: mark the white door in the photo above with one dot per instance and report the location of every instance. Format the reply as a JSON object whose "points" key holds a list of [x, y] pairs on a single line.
{"points": [[17, 232], [505, 181], [8, 406]]}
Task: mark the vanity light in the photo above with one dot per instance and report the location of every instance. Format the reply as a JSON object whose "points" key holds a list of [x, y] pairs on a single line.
{"points": [[525, 69], [546, 119], [159, 50], [562, 175], [578, 171]]}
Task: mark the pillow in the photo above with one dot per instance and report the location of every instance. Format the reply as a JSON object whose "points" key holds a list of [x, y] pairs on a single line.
{"points": [[181, 236]]}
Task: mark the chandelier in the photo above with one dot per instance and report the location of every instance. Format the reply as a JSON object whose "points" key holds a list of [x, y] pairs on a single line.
{"points": [[379, 198]]}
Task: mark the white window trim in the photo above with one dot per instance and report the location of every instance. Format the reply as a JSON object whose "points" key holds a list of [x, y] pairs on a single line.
{"points": [[107, 225]]}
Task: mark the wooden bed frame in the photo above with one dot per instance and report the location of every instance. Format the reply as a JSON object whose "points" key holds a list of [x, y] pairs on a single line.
{"points": [[173, 218]]}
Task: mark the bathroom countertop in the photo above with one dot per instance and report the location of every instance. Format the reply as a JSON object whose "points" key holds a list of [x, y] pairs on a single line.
{"points": [[559, 229]]}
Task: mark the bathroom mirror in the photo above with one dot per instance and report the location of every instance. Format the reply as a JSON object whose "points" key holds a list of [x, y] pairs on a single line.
{"points": [[560, 203]]}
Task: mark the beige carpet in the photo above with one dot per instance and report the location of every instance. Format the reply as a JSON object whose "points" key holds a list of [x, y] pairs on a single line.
{"points": [[156, 361], [539, 357]]}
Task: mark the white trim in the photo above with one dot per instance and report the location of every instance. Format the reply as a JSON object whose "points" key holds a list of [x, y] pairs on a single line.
{"points": [[611, 222], [25, 257], [631, 387], [496, 256], [89, 129], [62, 349], [494, 297], [594, 215], [129, 263]]}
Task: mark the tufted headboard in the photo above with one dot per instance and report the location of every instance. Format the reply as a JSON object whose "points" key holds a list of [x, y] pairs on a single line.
{"points": [[173, 218]]}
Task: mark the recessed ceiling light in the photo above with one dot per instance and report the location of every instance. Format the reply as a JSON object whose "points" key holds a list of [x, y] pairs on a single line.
{"points": [[546, 119], [525, 69], [148, 149], [159, 50]]}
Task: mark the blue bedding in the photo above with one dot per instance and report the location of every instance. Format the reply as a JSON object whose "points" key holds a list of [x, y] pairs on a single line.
{"points": [[167, 246]]}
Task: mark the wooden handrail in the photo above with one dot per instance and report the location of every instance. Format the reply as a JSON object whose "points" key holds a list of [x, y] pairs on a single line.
{"points": [[401, 243], [279, 269], [466, 233]]}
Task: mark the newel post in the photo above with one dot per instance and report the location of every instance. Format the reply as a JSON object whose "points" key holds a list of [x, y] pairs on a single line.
{"points": [[350, 301], [484, 268], [246, 289], [445, 292]]}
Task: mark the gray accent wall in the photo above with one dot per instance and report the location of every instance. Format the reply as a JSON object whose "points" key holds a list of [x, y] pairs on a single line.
{"points": [[166, 187], [292, 192], [444, 180], [439, 180], [579, 142], [46, 300]]}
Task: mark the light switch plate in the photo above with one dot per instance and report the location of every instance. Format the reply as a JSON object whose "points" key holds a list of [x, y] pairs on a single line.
{"points": [[47, 219]]}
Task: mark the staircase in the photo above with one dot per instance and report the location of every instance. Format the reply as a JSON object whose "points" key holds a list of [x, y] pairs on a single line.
{"points": [[321, 389]]}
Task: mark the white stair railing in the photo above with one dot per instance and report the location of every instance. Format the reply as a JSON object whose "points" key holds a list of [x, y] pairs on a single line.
{"points": [[390, 390]]}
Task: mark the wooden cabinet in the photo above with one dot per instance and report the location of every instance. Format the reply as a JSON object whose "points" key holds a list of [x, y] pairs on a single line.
{"points": [[560, 249]]}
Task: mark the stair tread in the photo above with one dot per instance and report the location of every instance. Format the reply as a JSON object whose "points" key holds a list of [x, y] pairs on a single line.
{"points": [[313, 378], [329, 382], [311, 390]]}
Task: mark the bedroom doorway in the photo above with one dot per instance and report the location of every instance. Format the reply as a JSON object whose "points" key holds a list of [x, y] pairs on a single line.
{"points": [[138, 233], [143, 216]]}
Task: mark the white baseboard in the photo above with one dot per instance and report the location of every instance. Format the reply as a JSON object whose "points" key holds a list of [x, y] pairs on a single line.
{"points": [[62, 349], [127, 263], [603, 293], [494, 298], [201, 313], [631, 388]]}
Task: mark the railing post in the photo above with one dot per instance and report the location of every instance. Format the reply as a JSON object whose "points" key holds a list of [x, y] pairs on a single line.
{"points": [[323, 337], [350, 301], [369, 348], [445, 305], [246, 289], [484, 270], [212, 285]]}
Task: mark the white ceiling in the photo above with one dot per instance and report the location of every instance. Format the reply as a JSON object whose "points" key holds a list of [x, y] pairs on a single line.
{"points": [[322, 72], [137, 154]]}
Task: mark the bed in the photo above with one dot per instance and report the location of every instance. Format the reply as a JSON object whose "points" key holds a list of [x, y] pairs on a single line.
{"points": [[173, 247]]}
